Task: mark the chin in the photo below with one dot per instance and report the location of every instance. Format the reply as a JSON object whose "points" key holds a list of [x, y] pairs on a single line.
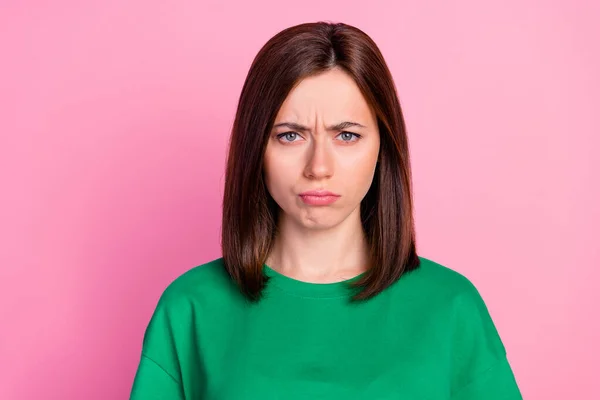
{"points": [[319, 222]]}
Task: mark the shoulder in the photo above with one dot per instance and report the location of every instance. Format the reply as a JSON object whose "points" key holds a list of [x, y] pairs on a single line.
{"points": [[478, 354], [204, 282], [432, 277], [480, 368], [461, 298], [434, 286]]}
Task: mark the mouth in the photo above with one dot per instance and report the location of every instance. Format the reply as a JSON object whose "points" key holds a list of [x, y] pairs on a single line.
{"points": [[319, 193], [319, 197]]}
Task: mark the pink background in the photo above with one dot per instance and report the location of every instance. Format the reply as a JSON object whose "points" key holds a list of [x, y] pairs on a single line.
{"points": [[114, 119]]}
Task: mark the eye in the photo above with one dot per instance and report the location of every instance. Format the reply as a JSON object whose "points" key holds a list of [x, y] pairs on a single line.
{"points": [[348, 136], [290, 136]]}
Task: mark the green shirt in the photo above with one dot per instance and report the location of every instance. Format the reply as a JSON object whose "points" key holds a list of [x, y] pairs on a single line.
{"points": [[429, 336]]}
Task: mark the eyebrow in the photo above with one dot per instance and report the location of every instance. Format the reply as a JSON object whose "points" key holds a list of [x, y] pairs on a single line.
{"points": [[338, 127]]}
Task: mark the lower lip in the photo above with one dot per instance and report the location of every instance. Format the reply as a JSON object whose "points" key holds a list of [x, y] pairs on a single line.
{"points": [[319, 200]]}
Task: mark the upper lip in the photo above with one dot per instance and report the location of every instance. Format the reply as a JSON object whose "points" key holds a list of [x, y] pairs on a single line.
{"points": [[318, 193]]}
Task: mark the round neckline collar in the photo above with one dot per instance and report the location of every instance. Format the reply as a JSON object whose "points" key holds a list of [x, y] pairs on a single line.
{"points": [[310, 289]]}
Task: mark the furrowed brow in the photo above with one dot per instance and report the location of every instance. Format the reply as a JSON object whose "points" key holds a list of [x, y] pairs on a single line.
{"points": [[338, 127]]}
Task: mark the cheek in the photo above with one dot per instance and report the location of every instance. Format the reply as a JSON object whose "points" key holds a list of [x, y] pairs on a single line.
{"points": [[276, 175], [268, 175], [361, 163], [281, 166], [269, 166], [359, 172]]}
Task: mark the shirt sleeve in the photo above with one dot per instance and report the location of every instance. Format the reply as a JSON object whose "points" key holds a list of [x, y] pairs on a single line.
{"points": [[479, 362], [495, 383], [158, 376], [152, 382]]}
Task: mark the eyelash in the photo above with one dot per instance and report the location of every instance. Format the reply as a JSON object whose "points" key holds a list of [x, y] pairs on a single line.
{"points": [[281, 135]]}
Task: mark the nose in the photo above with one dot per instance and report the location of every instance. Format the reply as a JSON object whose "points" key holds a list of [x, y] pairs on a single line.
{"points": [[320, 163]]}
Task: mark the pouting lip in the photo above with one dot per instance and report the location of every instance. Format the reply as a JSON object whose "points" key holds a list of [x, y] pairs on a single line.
{"points": [[319, 193]]}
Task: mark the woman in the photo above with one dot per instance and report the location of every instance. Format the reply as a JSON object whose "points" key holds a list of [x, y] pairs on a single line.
{"points": [[320, 293]]}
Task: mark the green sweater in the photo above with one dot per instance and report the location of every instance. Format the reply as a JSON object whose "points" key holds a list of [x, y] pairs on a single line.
{"points": [[429, 336]]}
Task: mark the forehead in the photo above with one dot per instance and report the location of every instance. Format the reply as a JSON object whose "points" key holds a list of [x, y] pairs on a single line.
{"points": [[330, 96]]}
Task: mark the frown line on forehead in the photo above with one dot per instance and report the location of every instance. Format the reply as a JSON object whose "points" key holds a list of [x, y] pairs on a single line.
{"points": [[337, 127]]}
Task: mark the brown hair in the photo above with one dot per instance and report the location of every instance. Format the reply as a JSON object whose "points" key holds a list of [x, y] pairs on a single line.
{"points": [[250, 213]]}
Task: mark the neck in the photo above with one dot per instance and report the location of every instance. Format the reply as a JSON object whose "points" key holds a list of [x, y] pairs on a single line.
{"points": [[320, 256]]}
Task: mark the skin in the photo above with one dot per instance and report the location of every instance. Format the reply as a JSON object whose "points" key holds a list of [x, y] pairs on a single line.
{"points": [[321, 244]]}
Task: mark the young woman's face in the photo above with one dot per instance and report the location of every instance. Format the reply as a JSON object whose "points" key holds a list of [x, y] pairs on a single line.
{"points": [[307, 152]]}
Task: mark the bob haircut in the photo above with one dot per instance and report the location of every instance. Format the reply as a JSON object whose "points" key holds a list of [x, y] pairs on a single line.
{"points": [[249, 221]]}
